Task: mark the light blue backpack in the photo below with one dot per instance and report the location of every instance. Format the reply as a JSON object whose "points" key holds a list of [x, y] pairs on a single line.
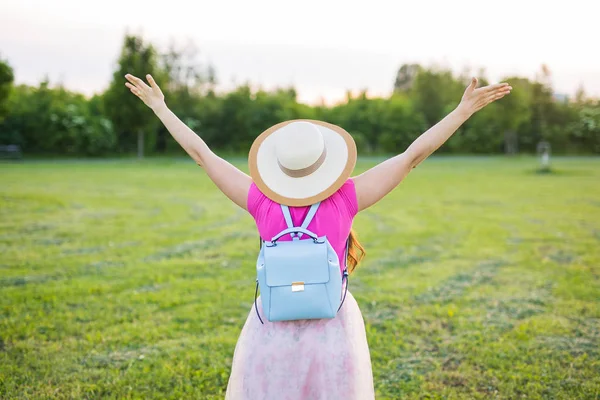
{"points": [[299, 279]]}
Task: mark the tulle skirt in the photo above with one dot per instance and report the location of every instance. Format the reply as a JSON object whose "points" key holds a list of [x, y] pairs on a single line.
{"points": [[303, 360]]}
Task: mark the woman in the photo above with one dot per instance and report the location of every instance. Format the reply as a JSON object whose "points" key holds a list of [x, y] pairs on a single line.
{"points": [[298, 163]]}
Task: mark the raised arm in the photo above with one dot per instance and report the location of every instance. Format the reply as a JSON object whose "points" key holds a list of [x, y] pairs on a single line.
{"points": [[375, 183], [232, 182]]}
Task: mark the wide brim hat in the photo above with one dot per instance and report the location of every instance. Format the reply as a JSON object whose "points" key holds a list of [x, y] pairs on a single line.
{"points": [[301, 162]]}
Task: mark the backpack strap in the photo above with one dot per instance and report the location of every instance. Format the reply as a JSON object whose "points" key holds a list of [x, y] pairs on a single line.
{"points": [[288, 220], [345, 277], [288, 217], [256, 306], [346, 254], [309, 217], [345, 274]]}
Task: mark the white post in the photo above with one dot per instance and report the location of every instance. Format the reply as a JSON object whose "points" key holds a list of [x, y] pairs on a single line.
{"points": [[545, 159], [543, 149]]}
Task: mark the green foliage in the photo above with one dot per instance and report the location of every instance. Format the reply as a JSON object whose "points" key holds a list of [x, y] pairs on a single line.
{"points": [[434, 91], [188, 87], [134, 122], [6, 81], [230, 121], [50, 120], [401, 124], [380, 125], [482, 134], [241, 115], [586, 129], [124, 280], [514, 110]]}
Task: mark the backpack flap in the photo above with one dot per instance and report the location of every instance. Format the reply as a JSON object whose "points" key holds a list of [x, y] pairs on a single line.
{"points": [[296, 261]]}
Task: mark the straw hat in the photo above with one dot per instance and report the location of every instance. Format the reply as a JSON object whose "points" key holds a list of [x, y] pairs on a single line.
{"points": [[301, 162]]}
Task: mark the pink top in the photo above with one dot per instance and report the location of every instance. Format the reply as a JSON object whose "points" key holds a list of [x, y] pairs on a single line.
{"points": [[333, 219]]}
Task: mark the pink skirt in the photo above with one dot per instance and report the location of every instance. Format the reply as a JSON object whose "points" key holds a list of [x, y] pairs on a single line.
{"points": [[299, 360]]}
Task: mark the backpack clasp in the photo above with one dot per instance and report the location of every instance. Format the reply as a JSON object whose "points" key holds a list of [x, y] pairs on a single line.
{"points": [[297, 286]]}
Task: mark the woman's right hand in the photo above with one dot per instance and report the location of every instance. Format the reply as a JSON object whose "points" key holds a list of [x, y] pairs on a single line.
{"points": [[151, 95], [474, 99]]}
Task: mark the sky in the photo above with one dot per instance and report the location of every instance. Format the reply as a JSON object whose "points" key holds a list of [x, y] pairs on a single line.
{"points": [[322, 47]]}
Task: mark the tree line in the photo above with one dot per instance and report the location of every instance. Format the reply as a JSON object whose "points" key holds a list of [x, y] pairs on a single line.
{"points": [[49, 119]]}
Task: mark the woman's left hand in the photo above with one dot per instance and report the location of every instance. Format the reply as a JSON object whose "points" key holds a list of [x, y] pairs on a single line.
{"points": [[474, 99]]}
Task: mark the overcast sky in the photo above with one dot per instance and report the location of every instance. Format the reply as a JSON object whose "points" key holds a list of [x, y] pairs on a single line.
{"points": [[322, 47]]}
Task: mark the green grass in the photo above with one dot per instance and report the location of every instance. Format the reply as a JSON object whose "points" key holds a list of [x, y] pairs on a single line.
{"points": [[124, 279]]}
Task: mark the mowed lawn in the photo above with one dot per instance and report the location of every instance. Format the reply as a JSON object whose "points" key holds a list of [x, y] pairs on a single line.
{"points": [[125, 279]]}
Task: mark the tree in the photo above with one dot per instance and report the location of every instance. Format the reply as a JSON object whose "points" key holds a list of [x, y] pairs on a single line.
{"points": [[401, 124], [185, 81], [128, 114], [586, 130], [184, 71], [405, 77], [434, 91], [49, 119], [580, 94], [6, 80], [514, 111], [481, 134], [52, 120]]}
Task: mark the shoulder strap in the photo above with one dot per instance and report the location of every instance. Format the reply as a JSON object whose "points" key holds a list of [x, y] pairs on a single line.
{"points": [[345, 273], [309, 217], [288, 221], [287, 216], [346, 253]]}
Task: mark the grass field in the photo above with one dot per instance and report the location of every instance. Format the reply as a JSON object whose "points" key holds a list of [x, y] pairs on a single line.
{"points": [[126, 279]]}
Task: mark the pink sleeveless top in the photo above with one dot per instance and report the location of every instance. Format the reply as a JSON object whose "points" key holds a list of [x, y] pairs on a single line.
{"points": [[333, 219]]}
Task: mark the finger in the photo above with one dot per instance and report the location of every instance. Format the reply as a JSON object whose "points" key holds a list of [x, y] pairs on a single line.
{"points": [[499, 91], [497, 86], [131, 79], [494, 97], [140, 84], [472, 85], [134, 90], [136, 93], [502, 91], [497, 94], [131, 87], [153, 84]]}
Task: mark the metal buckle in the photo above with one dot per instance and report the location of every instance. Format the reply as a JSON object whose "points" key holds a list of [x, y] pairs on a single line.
{"points": [[297, 286]]}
